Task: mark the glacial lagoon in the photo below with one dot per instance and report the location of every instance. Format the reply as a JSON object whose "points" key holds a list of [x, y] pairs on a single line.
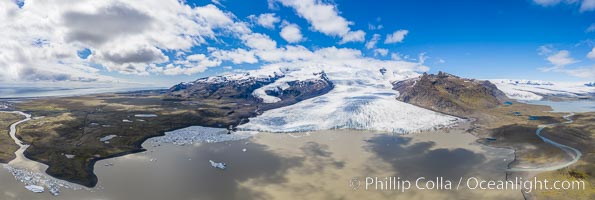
{"points": [[311, 165]]}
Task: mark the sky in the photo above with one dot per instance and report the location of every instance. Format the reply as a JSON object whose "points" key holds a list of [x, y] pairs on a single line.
{"points": [[163, 42]]}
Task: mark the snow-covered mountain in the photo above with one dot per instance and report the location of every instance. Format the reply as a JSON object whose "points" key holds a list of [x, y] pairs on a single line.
{"points": [[327, 98], [536, 90]]}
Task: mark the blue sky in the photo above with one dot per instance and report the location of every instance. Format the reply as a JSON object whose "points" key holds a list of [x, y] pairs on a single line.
{"points": [[165, 42], [479, 39]]}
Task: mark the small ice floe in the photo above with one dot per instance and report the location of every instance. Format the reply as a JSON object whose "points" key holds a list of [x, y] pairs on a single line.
{"points": [[54, 191], [35, 188], [107, 138], [126, 121], [145, 115], [244, 150], [218, 165]]}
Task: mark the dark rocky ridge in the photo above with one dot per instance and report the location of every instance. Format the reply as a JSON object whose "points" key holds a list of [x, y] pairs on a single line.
{"points": [[449, 94]]}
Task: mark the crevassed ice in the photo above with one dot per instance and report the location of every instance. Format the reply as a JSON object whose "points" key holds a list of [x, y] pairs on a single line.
{"points": [[361, 99]]}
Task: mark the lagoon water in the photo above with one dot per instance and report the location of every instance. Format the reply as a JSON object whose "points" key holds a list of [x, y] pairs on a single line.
{"points": [[568, 106], [310, 165]]}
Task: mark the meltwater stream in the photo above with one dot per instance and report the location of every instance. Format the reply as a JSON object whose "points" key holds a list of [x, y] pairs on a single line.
{"points": [[30, 172]]}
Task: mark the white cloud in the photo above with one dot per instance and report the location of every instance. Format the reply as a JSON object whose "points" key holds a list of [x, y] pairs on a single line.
{"points": [[217, 2], [373, 27], [396, 56], [545, 50], [236, 56], [40, 40], [591, 54], [291, 33], [560, 61], [353, 36], [267, 20], [561, 58], [259, 41], [547, 2], [324, 18], [396, 37], [382, 52], [585, 5], [372, 43]]}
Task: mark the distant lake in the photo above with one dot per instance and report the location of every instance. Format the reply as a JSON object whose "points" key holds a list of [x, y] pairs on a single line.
{"points": [[568, 106]]}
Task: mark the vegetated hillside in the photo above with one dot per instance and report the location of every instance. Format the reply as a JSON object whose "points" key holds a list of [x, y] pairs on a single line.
{"points": [[449, 94]]}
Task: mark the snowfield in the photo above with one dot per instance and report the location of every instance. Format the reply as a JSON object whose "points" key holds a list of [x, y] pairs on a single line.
{"points": [[362, 98], [535, 90]]}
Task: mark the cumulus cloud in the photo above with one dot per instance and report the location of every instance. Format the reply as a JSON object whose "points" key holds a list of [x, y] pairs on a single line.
{"points": [[324, 18], [353, 36], [382, 52], [41, 39], [372, 43], [560, 61], [267, 20], [236, 56], [291, 33], [396, 37], [105, 23], [585, 5], [561, 58]]}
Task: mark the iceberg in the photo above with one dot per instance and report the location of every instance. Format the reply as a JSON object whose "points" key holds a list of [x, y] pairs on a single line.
{"points": [[35, 188], [218, 165]]}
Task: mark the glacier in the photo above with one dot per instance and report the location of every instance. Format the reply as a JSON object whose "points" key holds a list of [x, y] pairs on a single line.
{"points": [[362, 98], [529, 90]]}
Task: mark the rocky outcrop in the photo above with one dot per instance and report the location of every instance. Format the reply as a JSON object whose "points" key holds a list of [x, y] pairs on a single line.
{"points": [[449, 94]]}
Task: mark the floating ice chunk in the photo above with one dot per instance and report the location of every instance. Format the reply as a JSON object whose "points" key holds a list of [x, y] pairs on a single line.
{"points": [[54, 191], [35, 188], [126, 121], [244, 150], [145, 115], [107, 138], [218, 165]]}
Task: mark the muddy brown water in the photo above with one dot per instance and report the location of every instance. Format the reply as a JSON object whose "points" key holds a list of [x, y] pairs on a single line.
{"points": [[312, 165]]}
